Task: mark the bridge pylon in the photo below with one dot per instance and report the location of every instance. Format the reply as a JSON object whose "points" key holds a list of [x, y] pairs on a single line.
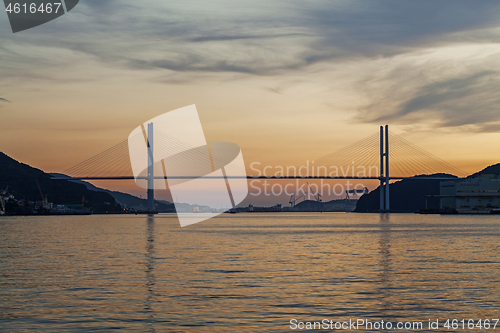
{"points": [[151, 173], [384, 176]]}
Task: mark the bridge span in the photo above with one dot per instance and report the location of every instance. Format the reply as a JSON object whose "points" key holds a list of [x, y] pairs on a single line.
{"points": [[372, 150]]}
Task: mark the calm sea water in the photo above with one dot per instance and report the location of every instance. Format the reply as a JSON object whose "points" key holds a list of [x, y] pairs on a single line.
{"points": [[245, 272]]}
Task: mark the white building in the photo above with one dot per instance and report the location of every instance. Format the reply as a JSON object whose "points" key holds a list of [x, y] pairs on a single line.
{"points": [[476, 193]]}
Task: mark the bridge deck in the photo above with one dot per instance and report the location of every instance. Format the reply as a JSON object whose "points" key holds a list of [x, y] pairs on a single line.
{"points": [[250, 177]]}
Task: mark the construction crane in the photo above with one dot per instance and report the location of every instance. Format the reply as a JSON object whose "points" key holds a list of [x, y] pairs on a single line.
{"points": [[354, 192], [294, 199], [2, 212], [317, 197], [44, 199], [83, 201]]}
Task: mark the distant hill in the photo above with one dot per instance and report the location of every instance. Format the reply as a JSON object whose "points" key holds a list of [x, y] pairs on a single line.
{"points": [[124, 199], [184, 207], [320, 206], [128, 200], [21, 180], [490, 170], [310, 206], [406, 196]]}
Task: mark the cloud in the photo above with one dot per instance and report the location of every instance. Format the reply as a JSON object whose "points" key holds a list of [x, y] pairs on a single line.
{"points": [[4, 100], [264, 38], [270, 40], [385, 28], [239, 37], [457, 92], [187, 40], [453, 102], [455, 88]]}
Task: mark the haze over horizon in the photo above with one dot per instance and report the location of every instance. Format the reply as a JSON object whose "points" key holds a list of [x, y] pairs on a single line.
{"points": [[288, 81]]}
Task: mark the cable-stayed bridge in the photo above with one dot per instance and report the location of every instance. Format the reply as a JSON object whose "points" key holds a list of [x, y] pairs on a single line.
{"points": [[382, 156]]}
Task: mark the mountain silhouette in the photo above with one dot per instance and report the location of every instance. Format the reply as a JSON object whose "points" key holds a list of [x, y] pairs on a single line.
{"points": [[406, 196], [21, 180]]}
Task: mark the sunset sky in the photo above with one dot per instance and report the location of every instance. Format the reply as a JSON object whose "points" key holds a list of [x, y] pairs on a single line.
{"points": [[288, 81]]}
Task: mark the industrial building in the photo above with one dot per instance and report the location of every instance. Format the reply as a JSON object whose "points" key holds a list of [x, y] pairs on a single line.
{"points": [[476, 194]]}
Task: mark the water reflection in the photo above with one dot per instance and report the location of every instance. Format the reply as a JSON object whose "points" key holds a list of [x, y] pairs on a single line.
{"points": [[150, 276], [385, 264], [244, 273]]}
